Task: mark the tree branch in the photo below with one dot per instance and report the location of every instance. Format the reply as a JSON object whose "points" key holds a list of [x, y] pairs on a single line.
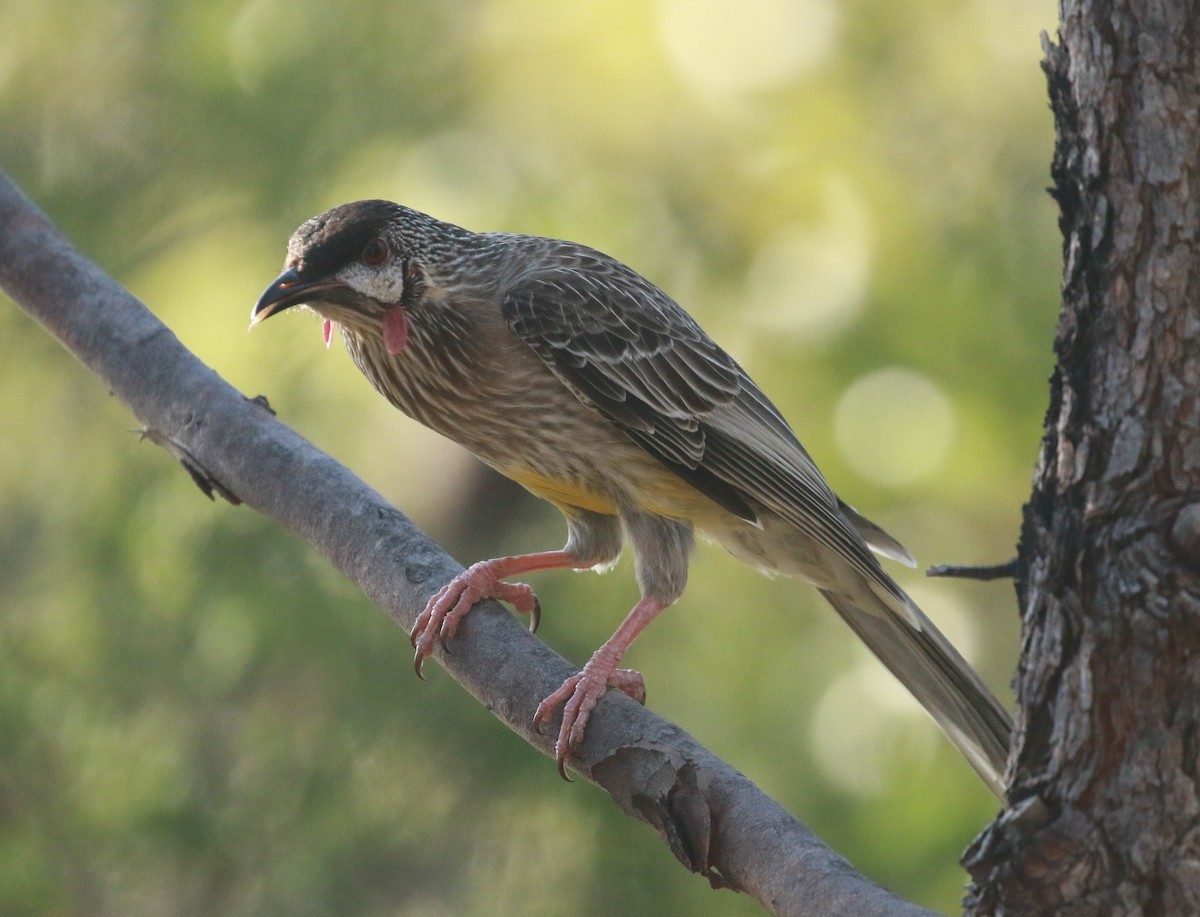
{"points": [[714, 819], [985, 573]]}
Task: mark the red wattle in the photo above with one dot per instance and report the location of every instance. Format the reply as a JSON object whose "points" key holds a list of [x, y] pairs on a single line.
{"points": [[395, 330]]}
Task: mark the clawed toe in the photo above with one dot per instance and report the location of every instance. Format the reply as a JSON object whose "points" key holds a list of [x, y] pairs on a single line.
{"points": [[418, 661], [578, 696], [630, 683], [521, 597], [439, 621]]}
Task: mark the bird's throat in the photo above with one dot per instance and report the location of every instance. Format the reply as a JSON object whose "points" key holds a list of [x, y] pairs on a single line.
{"points": [[395, 329]]}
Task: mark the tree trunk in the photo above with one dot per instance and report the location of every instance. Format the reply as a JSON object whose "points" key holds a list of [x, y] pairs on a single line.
{"points": [[1103, 813]]}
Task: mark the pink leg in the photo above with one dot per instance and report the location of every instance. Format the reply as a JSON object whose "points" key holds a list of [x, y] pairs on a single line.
{"points": [[483, 580], [580, 693]]}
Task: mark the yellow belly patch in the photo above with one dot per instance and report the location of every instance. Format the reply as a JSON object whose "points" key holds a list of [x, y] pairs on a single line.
{"points": [[564, 494], [653, 489]]}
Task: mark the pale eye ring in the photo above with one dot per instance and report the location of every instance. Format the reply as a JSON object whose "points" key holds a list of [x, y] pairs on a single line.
{"points": [[375, 252]]}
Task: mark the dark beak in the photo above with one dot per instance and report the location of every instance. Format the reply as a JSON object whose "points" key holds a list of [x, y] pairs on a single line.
{"points": [[288, 290]]}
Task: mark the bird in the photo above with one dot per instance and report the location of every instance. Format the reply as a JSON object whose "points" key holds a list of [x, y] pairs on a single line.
{"points": [[572, 374]]}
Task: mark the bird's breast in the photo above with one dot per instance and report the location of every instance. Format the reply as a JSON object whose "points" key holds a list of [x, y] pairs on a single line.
{"points": [[488, 391]]}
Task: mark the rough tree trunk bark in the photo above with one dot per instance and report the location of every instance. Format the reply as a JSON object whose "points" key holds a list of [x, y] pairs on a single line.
{"points": [[1104, 813]]}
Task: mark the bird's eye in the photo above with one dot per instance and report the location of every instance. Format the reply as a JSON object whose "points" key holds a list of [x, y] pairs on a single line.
{"points": [[375, 252]]}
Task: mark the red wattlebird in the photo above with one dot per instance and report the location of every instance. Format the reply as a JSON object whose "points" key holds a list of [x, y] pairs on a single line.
{"points": [[575, 376]]}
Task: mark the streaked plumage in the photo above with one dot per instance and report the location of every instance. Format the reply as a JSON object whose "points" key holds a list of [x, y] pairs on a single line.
{"points": [[575, 376]]}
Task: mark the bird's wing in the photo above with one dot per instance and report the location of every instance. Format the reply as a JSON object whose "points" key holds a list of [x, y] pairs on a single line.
{"points": [[630, 352]]}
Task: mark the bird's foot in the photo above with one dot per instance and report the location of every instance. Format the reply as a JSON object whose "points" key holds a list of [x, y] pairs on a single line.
{"points": [[439, 621], [577, 696]]}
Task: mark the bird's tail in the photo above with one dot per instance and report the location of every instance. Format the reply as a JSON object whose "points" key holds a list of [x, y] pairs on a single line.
{"points": [[928, 665]]}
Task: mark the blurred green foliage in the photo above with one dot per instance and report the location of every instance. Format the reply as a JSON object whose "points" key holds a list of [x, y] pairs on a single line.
{"points": [[197, 716]]}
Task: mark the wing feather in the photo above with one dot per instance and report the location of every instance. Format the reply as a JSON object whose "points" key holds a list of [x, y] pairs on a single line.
{"points": [[630, 352]]}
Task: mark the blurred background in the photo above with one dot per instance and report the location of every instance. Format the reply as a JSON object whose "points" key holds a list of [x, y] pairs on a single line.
{"points": [[197, 716]]}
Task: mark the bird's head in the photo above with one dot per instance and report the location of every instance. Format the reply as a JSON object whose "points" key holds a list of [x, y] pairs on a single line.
{"points": [[360, 265]]}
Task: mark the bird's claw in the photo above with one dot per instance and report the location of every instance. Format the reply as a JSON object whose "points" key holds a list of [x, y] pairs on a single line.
{"points": [[578, 695], [630, 683], [521, 597], [450, 604]]}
